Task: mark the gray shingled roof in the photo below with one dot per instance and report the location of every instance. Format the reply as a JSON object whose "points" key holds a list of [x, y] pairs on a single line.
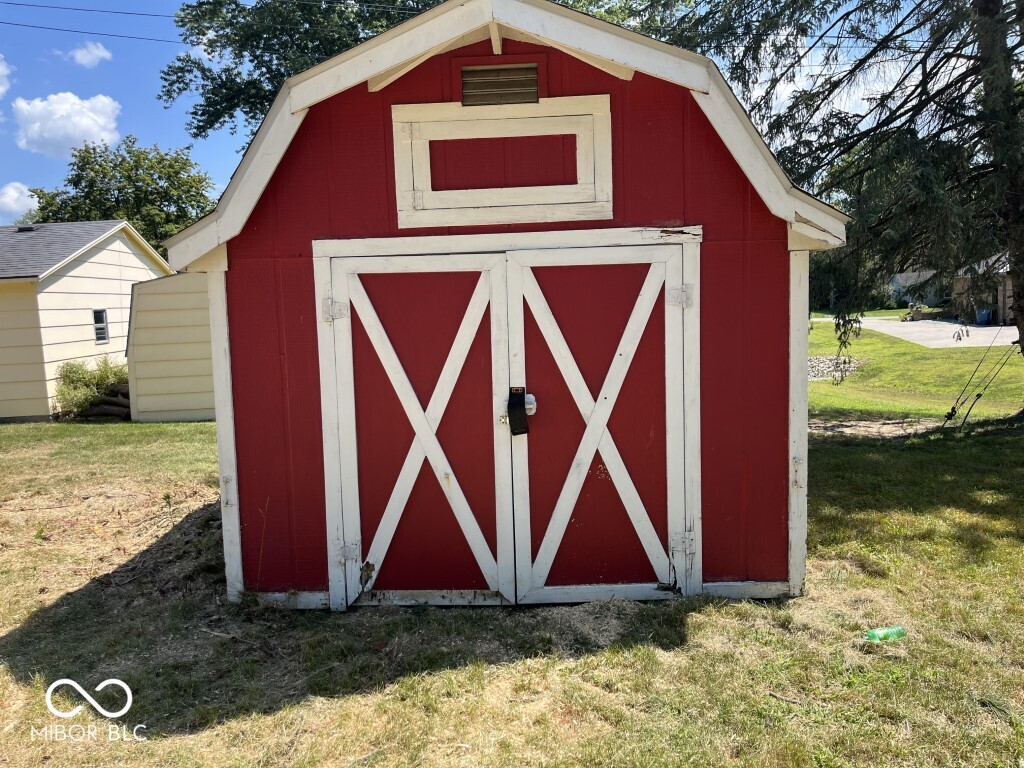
{"points": [[31, 254]]}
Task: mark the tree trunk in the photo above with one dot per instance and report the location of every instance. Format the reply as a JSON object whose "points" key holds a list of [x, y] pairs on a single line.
{"points": [[1004, 135]]}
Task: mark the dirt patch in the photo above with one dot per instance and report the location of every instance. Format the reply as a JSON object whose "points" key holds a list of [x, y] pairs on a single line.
{"points": [[887, 428]]}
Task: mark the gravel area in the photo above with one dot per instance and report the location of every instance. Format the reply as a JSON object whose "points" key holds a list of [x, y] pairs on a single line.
{"points": [[830, 367], [882, 429]]}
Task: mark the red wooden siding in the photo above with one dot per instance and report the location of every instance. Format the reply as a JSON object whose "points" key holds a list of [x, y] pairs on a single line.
{"points": [[406, 304], [522, 161], [591, 305], [669, 168]]}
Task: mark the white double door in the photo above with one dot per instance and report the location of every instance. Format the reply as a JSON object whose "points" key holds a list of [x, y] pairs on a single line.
{"points": [[437, 501]]}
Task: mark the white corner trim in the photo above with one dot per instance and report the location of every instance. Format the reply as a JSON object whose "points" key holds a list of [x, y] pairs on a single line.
{"points": [[807, 237], [692, 443], [588, 38], [225, 413], [324, 314], [296, 601], [415, 126], [798, 311], [747, 590]]}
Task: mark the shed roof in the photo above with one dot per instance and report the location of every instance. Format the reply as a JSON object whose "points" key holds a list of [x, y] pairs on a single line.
{"points": [[33, 251], [456, 23]]}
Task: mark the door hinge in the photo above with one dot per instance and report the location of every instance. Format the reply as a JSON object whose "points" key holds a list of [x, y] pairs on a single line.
{"points": [[680, 297], [688, 294], [685, 543], [334, 310], [352, 551]]}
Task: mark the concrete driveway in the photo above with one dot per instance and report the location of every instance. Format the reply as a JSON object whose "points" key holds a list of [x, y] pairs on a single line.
{"points": [[937, 334]]}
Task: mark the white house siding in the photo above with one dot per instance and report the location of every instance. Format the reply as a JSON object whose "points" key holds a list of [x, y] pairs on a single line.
{"points": [[170, 365], [100, 278], [22, 384]]}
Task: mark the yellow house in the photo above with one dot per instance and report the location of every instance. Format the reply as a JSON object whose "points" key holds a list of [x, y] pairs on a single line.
{"points": [[65, 294]]}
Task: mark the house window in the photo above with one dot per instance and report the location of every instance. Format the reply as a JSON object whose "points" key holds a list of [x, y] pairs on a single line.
{"points": [[100, 327], [503, 84]]}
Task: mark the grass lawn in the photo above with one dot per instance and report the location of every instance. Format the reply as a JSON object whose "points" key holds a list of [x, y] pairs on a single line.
{"points": [[900, 379], [869, 313], [110, 567]]}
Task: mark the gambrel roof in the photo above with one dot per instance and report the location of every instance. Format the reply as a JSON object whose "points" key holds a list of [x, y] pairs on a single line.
{"points": [[456, 23]]}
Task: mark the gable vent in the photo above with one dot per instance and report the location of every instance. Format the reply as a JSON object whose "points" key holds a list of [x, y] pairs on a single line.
{"points": [[504, 84]]}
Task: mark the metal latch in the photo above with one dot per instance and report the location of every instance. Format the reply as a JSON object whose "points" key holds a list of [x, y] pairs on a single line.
{"points": [[799, 473], [517, 423]]}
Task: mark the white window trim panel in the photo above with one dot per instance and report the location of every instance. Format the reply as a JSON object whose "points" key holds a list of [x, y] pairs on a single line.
{"points": [[588, 118]]}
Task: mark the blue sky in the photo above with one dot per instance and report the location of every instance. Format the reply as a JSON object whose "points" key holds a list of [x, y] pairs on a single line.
{"points": [[58, 89]]}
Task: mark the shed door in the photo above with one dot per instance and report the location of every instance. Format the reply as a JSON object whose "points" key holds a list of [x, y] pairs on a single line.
{"points": [[439, 501], [422, 363], [597, 338]]}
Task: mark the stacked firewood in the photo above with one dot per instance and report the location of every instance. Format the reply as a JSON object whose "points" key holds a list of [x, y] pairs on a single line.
{"points": [[114, 404]]}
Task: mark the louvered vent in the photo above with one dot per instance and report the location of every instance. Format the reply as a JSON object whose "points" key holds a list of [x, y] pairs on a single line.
{"points": [[507, 84]]}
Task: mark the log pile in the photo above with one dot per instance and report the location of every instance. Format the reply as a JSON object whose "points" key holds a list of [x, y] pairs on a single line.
{"points": [[115, 404]]}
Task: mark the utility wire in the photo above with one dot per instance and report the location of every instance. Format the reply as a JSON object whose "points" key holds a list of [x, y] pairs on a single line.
{"points": [[97, 34], [960, 399], [87, 10], [1005, 359]]}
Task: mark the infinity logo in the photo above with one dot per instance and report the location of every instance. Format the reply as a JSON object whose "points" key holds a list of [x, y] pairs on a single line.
{"points": [[81, 691]]}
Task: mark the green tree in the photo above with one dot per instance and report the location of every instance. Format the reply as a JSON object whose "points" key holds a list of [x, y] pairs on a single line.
{"points": [[242, 52], [26, 218], [904, 112], [159, 192]]}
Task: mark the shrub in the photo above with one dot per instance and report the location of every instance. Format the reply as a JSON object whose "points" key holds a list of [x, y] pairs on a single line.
{"points": [[79, 386]]}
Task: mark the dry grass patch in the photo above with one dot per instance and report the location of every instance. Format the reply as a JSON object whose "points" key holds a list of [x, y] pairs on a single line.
{"points": [[925, 532]]}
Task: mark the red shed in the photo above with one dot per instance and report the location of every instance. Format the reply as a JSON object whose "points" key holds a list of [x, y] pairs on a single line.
{"points": [[509, 305]]}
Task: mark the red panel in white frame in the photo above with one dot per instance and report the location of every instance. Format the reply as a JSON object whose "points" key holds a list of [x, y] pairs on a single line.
{"points": [[350, 298], [588, 118], [677, 566]]}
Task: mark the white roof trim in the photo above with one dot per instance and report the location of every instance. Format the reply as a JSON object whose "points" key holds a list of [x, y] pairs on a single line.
{"points": [[129, 230], [562, 28]]}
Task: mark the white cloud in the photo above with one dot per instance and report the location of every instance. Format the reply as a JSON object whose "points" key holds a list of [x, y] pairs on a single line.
{"points": [[89, 54], [52, 126], [5, 75], [15, 199]]}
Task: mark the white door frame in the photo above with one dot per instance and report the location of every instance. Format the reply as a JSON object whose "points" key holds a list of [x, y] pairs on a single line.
{"points": [[333, 258]]}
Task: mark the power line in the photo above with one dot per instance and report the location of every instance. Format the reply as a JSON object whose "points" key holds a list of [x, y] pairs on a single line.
{"points": [[87, 10], [49, 7], [98, 34]]}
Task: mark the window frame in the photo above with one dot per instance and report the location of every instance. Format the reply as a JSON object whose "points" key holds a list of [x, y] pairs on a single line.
{"points": [[105, 325]]}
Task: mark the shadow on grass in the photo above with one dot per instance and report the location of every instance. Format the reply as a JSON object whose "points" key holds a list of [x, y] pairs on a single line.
{"points": [[159, 623], [857, 485]]}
